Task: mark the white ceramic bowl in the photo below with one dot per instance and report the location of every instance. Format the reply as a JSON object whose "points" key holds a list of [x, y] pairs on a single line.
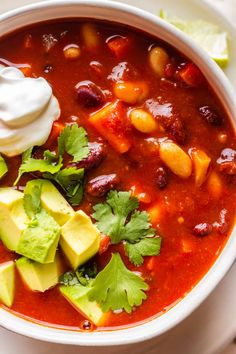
{"points": [[124, 14]]}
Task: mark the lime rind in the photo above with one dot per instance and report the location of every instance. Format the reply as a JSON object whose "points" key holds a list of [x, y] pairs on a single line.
{"points": [[206, 35]]}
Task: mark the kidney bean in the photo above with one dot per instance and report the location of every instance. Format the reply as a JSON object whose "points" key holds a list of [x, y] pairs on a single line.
{"points": [[223, 224], [97, 153], [89, 94], [210, 115], [227, 161], [161, 177], [202, 229], [48, 68], [99, 186]]}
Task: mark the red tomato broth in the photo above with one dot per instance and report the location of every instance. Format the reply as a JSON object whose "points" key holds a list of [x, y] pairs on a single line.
{"points": [[185, 258]]}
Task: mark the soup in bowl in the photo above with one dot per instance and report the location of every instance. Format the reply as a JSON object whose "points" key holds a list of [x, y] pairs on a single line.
{"points": [[117, 196]]}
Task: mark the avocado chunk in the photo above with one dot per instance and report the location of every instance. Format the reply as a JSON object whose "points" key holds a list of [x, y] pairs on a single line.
{"points": [[80, 239], [37, 276], [52, 200], [77, 295], [39, 240], [7, 283], [13, 218]]}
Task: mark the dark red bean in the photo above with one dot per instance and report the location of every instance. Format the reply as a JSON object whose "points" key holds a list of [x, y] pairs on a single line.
{"points": [[89, 94], [161, 177], [48, 68], [87, 325], [97, 152], [222, 225], [210, 115], [202, 229], [227, 161], [99, 186]]}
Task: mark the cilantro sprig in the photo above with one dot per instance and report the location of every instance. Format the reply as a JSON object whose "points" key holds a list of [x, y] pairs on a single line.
{"points": [[116, 287], [119, 219], [73, 141]]}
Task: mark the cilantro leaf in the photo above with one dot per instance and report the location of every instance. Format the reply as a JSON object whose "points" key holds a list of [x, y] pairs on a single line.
{"points": [[30, 164], [32, 201], [3, 167], [82, 276], [73, 140], [137, 228], [71, 181], [145, 247], [111, 216], [116, 287]]}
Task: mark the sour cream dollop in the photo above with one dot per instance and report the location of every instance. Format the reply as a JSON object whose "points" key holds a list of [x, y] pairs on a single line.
{"points": [[28, 109]]}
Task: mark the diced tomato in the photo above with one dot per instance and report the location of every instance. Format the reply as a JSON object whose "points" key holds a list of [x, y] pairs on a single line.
{"points": [[27, 70], [104, 244], [191, 75], [55, 132], [111, 123], [119, 45]]}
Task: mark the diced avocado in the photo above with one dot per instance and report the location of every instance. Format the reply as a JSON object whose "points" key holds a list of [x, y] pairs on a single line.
{"points": [[37, 276], [7, 283], [40, 239], [52, 201], [77, 295], [80, 239], [13, 218]]}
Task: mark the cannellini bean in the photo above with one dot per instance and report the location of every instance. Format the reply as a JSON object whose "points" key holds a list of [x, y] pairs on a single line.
{"points": [[131, 92], [158, 59], [201, 162], [72, 52], [90, 36], [215, 185], [176, 159], [143, 121]]}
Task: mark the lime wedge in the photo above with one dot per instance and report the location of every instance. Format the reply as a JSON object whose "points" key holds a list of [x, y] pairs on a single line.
{"points": [[206, 35]]}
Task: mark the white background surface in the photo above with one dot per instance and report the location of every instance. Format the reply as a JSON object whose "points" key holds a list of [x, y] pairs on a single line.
{"points": [[213, 325]]}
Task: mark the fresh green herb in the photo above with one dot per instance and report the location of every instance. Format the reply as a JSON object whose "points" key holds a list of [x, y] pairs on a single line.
{"points": [[116, 287], [3, 167], [32, 201], [119, 219], [71, 181], [145, 247], [30, 164], [73, 140], [82, 276]]}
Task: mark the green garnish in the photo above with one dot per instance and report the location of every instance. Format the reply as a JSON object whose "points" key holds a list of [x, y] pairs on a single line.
{"points": [[30, 164], [82, 276], [73, 140], [116, 287], [119, 219], [32, 201], [145, 247], [71, 181], [3, 167], [207, 35]]}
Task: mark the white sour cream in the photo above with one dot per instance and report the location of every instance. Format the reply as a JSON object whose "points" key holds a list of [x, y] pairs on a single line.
{"points": [[28, 109]]}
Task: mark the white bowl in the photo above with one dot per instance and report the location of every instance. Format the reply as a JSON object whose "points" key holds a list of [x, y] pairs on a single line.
{"points": [[124, 14]]}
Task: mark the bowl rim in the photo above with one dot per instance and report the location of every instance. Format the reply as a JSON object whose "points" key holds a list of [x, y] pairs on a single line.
{"points": [[154, 326]]}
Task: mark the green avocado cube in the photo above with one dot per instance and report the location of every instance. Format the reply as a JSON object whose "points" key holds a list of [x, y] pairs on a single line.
{"points": [[13, 218], [80, 239], [37, 276], [77, 295], [52, 200], [39, 240], [7, 283]]}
